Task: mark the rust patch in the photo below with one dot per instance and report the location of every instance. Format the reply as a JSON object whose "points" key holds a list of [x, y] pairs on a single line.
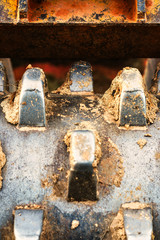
{"points": [[83, 11], [110, 168]]}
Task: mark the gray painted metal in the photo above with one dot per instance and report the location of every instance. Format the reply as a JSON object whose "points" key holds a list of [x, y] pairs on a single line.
{"points": [[32, 104], [31, 156], [132, 100], [138, 224], [81, 77], [28, 224]]}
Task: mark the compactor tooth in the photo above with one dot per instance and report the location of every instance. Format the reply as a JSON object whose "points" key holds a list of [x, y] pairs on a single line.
{"points": [[132, 100], [82, 179], [81, 77], [138, 224], [28, 224], [3, 79], [32, 104]]}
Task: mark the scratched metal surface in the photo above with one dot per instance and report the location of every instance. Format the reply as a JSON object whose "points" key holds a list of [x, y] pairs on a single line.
{"points": [[31, 156]]}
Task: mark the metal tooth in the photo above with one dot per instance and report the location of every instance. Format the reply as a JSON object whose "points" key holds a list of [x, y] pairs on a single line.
{"points": [[23, 9], [3, 79], [82, 179], [141, 9], [132, 101], [10, 83], [28, 224], [138, 224], [32, 104], [81, 77]]}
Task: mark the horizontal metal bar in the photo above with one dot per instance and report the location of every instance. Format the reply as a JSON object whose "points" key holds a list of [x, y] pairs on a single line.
{"points": [[90, 42]]}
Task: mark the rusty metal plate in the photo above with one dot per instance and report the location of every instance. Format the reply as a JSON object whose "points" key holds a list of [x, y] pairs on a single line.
{"points": [[79, 41]]}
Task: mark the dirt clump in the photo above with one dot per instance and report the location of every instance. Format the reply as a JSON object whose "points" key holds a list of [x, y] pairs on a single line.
{"points": [[151, 107], [10, 106], [147, 135], [142, 143], [117, 227], [75, 224], [2, 163]]}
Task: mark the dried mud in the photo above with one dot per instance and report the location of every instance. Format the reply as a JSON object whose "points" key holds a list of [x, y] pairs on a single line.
{"points": [[65, 87], [110, 168], [2, 163], [142, 143], [10, 106], [117, 227]]}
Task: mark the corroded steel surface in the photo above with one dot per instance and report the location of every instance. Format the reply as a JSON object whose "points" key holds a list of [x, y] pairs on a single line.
{"points": [[68, 11], [76, 30]]}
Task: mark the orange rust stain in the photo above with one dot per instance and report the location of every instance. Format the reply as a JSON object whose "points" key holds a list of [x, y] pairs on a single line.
{"points": [[126, 8], [149, 3], [64, 10]]}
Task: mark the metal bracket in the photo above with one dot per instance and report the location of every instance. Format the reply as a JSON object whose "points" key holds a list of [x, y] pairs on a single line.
{"points": [[28, 224], [132, 101], [32, 104], [82, 179], [81, 77]]}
